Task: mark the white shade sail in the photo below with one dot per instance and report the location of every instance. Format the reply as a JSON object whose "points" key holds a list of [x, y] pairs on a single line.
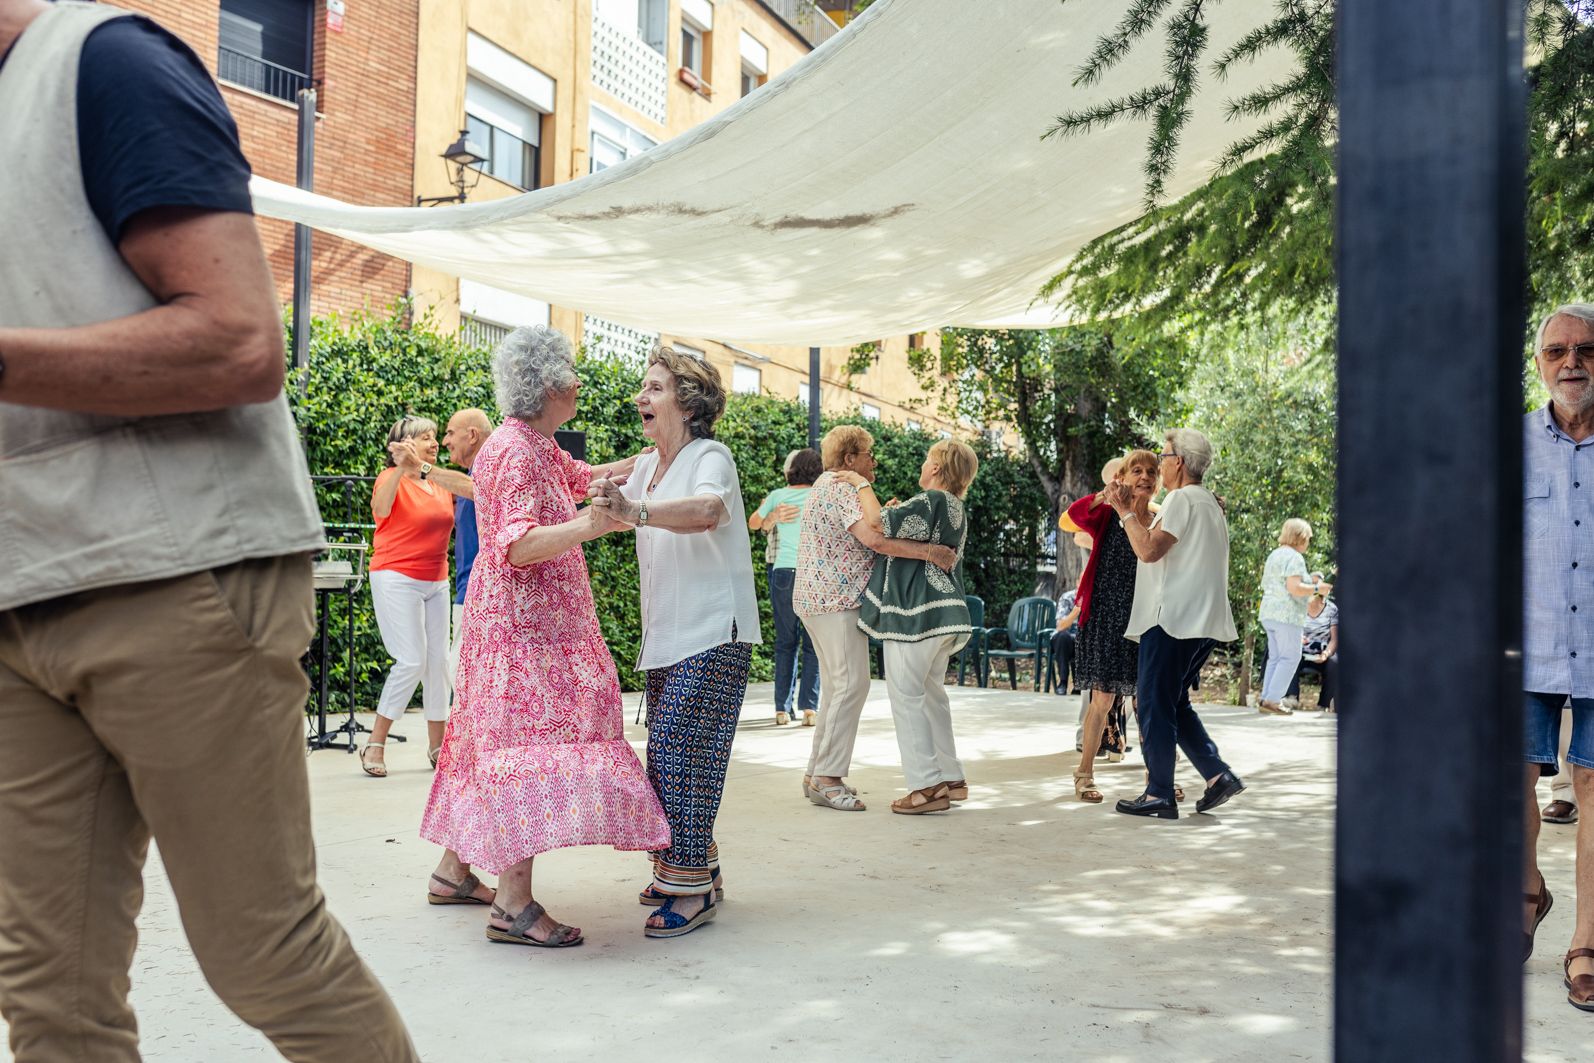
{"points": [[893, 181]]}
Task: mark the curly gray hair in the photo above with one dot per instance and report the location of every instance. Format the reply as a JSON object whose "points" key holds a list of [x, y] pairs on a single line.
{"points": [[530, 362], [1194, 448]]}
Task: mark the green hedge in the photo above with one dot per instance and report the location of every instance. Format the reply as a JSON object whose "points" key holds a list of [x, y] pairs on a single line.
{"points": [[368, 371]]}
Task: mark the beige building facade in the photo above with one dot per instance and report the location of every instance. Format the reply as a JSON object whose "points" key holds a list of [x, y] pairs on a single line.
{"points": [[552, 90]]}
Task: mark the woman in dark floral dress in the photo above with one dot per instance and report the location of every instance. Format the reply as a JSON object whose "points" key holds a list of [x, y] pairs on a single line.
{"points": [[1106, 663]]}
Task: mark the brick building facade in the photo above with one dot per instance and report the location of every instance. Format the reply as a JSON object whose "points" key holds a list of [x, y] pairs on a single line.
{"points": [[361, 57]]}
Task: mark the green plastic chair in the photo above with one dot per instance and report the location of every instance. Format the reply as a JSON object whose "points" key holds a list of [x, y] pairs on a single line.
{"points": [[973, 652], [1028, 636]]}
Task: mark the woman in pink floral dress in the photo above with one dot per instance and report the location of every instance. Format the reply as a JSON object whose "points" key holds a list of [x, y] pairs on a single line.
{"points": [[535, 755]]}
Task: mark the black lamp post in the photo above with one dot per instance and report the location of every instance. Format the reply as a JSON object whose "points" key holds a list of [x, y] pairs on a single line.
{"points": [[464, 154]]}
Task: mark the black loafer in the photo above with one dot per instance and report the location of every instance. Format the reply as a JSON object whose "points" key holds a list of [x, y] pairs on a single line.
{"points": [[1153, 807], [1227, 786]]}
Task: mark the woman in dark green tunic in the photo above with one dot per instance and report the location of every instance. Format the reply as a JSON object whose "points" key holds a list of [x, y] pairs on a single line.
{"points": [[918, 613]]}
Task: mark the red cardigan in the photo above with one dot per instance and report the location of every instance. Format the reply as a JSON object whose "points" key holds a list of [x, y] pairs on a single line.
{"points": [[1092, 522]]}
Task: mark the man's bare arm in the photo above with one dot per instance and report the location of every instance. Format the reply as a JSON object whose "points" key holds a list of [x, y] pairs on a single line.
{"points": [[214, 340]]}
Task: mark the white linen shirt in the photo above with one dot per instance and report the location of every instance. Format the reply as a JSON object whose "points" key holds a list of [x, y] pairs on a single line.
{"points": [[696, 586], [1187, 592]]}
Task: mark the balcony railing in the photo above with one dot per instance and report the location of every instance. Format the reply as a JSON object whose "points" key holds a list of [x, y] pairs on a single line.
{"points": [[252, 72], [804, 16], [624, 66]]}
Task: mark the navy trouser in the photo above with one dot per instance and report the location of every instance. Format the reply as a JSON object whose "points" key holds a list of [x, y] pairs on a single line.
{"points": [[1168, 668], [790, 635]]}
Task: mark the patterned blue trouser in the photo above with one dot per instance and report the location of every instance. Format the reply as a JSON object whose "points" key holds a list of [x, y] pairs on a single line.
{"points": [[693, 707]]}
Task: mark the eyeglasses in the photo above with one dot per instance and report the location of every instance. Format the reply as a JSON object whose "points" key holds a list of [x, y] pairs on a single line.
{"points": [[1556, 353], [1170, 454]]}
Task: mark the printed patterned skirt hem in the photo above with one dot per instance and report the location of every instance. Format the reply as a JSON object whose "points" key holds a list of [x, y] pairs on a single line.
{"points": [[520, 802]]}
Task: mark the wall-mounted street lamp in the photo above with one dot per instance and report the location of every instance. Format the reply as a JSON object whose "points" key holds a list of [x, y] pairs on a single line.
{"points": [[462, 155]]}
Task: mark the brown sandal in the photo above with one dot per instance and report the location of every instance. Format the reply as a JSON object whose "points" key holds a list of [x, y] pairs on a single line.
{"points": [[1579, 990], [1542, 903], [463, 892], [957, 791], [928, 799], [560, 937]]}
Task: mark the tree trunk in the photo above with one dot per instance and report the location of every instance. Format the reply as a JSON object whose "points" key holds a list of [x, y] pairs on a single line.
{"points": [[1244, 686]]}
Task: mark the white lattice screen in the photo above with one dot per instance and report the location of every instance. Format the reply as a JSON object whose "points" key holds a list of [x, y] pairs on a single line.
{"points": [[600, 336], [625, 67]]}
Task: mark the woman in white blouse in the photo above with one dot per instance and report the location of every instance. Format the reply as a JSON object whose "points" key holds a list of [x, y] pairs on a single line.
{"points": [[699, 622]]}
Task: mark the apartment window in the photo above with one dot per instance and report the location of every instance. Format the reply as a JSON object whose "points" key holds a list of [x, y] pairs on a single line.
{"points": [[613, 141], [745, 380], [802, 393], [509, 129], [648, 16], [944, 434], [870, 411], [755, 62], [914, 426], [916, 341], [692, 48], [694, 352], [265, 45], [475, 332]]}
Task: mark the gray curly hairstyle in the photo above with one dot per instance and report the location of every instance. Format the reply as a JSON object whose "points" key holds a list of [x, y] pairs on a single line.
{"points": [[531, 361]]}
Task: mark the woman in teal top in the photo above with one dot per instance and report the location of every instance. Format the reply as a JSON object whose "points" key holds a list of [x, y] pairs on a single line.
{"points": [[919, 614], [781, 517], [1286, 586]]}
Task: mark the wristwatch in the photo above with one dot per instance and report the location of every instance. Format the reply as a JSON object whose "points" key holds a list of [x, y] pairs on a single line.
{"points": [[642, 513], [426, 467]]}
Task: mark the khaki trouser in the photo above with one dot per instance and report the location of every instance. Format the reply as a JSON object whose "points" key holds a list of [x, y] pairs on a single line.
{"points": [[174, 709], [843, 653]]}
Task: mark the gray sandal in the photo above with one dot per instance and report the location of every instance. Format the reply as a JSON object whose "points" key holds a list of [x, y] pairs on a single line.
{"points": [[562, 937], [837, 797], [463, 892]]}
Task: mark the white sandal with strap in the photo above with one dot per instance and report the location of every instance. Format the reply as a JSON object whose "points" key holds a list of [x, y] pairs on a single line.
{"points": [[835, 796], [376, 771]]}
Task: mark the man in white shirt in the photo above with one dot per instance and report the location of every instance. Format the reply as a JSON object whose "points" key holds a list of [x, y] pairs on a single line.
{"points": [[1181, 607]]}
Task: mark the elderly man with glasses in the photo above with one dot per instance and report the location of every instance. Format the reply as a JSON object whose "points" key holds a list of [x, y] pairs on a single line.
{"points": [[1558, 613], [1181, 609]]}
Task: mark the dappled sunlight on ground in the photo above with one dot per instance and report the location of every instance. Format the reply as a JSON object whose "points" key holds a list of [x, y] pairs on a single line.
{"points": [[1022, 925]]}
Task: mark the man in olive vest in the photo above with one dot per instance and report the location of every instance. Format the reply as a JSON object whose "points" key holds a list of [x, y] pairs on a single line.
{"points": [[156, 527]]}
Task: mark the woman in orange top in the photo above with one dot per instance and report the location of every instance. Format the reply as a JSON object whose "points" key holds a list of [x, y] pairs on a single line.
{"points": [[414, 514]]}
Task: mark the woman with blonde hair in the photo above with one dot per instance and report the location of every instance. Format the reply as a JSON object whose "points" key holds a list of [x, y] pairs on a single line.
{"points": [[921, 618], [835, 559], [1286, 586], [414, 516]]}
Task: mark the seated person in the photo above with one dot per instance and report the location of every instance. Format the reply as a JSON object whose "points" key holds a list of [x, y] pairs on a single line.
{"points": [[1320, 651], [1063, 641]]}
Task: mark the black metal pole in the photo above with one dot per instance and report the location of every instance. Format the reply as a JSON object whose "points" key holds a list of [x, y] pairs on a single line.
{"points": [[1428, 910], [813, 397], [305, 179]]}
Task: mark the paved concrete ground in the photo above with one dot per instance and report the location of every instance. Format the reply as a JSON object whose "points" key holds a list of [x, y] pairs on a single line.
{"points": [[1022, 925]]}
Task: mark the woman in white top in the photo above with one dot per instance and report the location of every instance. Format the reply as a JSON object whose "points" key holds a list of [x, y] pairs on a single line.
{"points": [[1285, 589], [699, 622], [1181, 607]]}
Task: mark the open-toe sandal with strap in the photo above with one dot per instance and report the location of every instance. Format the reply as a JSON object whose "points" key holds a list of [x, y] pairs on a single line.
{"points": [[835, 796], [518, 933], [458, 892], [957, 791], [653, 898], [926, 799], [376, 771], [1542, 902], [808, 787], [676, 924], [1579, 989], [1085, 789], [433, 754]]}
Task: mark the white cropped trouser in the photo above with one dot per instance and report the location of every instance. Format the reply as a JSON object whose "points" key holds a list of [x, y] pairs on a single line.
{"points": [[922, 710], [412, 615]]}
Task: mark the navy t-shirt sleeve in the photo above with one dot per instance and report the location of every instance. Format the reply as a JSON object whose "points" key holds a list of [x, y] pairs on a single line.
{"points": [[152, 128]]}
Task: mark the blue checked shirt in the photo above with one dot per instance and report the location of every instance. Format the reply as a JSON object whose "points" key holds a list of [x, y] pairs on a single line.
{"points": [[1558, 559]]}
